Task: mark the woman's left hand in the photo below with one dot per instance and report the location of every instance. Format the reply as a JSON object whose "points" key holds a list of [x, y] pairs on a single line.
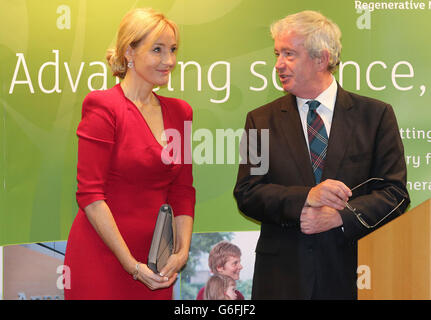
{"points": [[184, 226], [174, 264]]}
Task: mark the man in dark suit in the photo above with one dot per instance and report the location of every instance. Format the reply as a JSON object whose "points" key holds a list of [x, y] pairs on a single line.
{"points": [[323, 141]]}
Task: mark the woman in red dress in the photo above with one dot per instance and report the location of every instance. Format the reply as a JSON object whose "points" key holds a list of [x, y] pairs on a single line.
{"points": [[122, 178]]}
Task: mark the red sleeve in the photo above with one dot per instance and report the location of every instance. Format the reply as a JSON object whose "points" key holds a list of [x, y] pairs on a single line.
{"points": [[96, 133], [181, 194], [239, 295], [200, 295]]}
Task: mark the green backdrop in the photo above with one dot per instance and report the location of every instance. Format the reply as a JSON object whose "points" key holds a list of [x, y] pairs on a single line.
{"points": [[52, 54]]}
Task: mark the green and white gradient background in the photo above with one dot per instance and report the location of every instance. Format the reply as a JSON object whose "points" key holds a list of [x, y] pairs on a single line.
{"points": [[38, 144]]}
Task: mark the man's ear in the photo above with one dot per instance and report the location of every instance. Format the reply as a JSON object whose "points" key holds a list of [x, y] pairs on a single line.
{"points": [[323, 60]]}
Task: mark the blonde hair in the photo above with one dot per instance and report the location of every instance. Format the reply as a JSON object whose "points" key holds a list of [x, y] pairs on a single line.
{"points": [[220, 253], [320, 34], [136, 26], [216, 287]]}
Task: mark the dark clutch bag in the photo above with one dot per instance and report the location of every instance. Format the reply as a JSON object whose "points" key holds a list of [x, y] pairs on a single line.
{"points": [[163, 242]]}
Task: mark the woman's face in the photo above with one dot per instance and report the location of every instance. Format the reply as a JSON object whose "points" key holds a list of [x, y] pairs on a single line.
{"points": [[153, 64]]}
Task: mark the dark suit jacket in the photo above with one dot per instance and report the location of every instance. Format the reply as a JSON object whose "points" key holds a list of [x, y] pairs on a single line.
{"points": [[364, 142]]}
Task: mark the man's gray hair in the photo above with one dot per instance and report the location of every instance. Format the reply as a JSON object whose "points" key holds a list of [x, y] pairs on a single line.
{"points": [[320, 34]]}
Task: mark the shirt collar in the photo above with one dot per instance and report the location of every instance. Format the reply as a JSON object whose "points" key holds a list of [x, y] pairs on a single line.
{"points": [[326, 98]]}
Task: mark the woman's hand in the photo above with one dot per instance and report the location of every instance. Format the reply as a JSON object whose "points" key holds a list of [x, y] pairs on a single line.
{"points": [[184, 226], [174, 264], [169, 273], [154, 281]]}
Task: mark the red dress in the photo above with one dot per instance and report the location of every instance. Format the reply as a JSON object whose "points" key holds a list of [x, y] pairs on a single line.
{"points": [[119, 161]]}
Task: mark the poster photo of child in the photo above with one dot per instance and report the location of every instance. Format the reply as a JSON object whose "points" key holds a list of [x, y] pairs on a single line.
{"points": [[220, 267]]}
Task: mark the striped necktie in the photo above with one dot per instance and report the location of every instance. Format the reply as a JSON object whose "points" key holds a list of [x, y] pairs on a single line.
{"points": [[317, 139]]}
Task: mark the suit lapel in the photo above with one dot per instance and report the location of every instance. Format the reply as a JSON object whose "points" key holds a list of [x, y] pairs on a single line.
{"points": [[341, 131], [290, 122]]}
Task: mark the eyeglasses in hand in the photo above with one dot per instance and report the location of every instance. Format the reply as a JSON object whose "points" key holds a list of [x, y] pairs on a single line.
{"points": [[359, 214]]}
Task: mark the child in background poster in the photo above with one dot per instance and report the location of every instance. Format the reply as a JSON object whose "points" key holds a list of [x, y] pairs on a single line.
{"points": [[220, 287], [224, 259]]}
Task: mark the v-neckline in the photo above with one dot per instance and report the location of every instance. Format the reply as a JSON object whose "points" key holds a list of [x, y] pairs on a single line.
{"points": [[143, 118]]}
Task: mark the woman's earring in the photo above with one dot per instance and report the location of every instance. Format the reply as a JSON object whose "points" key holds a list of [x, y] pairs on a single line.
{"points": [[130, 64]]}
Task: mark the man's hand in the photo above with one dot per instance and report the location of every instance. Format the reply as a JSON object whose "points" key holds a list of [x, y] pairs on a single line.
{"points": [[316, 220], [331, 193]]}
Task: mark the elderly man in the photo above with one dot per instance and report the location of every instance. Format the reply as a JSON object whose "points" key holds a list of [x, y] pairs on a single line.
{"points": [[336, 169]]}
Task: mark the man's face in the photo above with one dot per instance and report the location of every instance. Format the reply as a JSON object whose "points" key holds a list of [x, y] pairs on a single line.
{"points": [[231, 268], [296, 70]]}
